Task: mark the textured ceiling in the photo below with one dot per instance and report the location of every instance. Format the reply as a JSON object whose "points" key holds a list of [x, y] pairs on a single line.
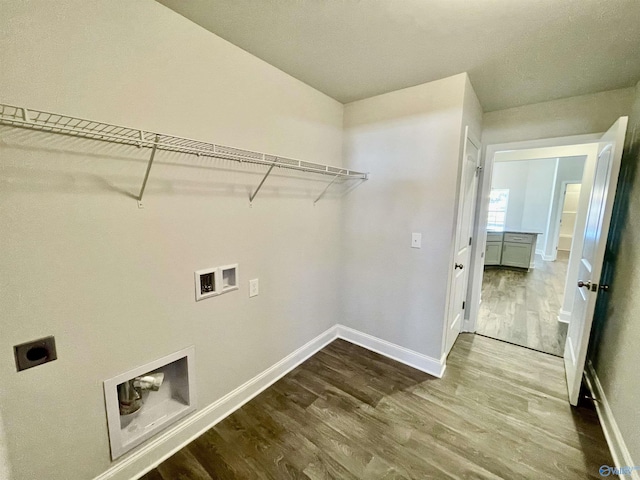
{"points": [[516, 51]]}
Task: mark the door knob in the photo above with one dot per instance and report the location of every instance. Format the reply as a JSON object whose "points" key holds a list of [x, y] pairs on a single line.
{"points": [[584, 284], [459, 265]]}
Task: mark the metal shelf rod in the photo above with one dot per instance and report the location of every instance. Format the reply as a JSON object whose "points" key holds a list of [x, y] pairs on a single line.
{"points": [[253, 195], [325, 189], [146, 175]]}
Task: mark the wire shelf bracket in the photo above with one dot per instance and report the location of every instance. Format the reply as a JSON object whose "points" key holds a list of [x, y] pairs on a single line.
{"points": [[326, 189], [253, 195], [154, 149], [22, 117]]}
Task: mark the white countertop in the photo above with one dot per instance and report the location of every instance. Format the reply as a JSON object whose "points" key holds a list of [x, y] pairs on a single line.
{"points": [[512, 230]]}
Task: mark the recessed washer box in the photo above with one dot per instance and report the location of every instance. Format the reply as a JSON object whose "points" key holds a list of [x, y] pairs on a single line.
{"points": [[175, 399], [207, 283], [229, 278], [214, 281]]}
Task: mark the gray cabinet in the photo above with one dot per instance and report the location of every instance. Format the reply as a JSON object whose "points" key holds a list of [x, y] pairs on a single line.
{"points": [[516, 255], [493, 251], [510, 249]]}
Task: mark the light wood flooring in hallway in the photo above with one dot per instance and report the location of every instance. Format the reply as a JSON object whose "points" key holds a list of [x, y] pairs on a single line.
{"points": [[499, 412], [522, 307]]}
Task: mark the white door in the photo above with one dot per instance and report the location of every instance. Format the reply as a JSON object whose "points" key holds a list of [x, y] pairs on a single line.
{"points": [[462, 245], [592, 255]]}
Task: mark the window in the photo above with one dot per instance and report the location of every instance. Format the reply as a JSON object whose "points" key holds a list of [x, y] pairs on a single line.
{"points": [[498, 208]]}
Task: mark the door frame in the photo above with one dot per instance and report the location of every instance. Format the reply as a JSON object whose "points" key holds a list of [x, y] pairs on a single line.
{"points": [[572, 145], [558, 219], [564, 316]]}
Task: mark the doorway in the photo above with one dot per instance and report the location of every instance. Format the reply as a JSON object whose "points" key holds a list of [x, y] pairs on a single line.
{"points": [[509, 299], [568, 212], [524, 272], [582, 287]]}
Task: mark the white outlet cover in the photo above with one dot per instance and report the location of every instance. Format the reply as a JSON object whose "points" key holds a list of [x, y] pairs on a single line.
{"points": [[416, 240], [254, 287]]}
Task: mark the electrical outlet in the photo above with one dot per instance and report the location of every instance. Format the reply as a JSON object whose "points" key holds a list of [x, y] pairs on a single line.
{"points": [[416, 240], [34, 353], [254, 287]]}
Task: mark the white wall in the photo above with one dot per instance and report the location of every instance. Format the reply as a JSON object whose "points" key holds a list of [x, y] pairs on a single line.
{"points": [[411, 140], [512, 176], [114, 283], [540, 184], [592, 113], [535, 191], [530, 184], [535, 188]]}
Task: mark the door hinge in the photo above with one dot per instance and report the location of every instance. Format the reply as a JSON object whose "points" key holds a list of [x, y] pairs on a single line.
{"points": [[470, 240], [463, 304]]}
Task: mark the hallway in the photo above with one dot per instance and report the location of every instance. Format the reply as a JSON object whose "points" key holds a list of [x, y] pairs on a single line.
{"points": [[522, 307]]}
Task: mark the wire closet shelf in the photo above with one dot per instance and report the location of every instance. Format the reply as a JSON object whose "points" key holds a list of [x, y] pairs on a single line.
{"points": [[78, 127]]}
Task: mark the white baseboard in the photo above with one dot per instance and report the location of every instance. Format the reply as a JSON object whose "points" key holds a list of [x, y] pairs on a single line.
{"points": [[151, 454], [138, 463], [549, 258], [617, 445], [546, 258], [421, 362], [564, 316]]}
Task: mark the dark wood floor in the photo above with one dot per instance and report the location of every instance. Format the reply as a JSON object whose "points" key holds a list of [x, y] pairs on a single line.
{"points": [[522, 307], [346, 413]]}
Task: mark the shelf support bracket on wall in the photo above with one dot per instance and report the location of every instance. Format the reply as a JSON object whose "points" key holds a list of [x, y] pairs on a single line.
{"points": [[253, 195], [146, 175], [25, 115], [325, 189]]}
